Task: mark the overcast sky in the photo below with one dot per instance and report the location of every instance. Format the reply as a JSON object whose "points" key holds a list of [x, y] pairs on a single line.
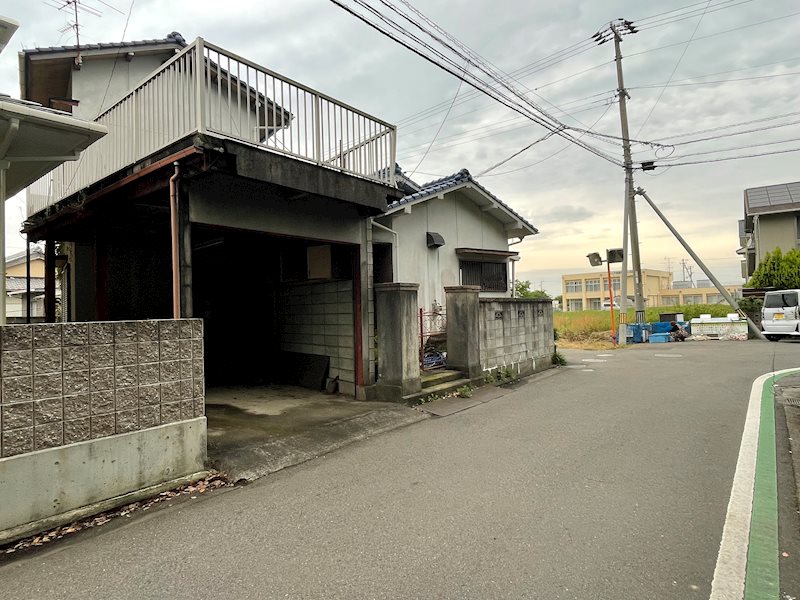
{"points": [[573, 198]]}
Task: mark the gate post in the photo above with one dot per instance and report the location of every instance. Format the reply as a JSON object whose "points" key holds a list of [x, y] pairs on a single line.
{"points": [[398, 341], [463, 330]]}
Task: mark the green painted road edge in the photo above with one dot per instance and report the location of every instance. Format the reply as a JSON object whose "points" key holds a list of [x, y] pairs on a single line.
{"points": [[762, 579]]}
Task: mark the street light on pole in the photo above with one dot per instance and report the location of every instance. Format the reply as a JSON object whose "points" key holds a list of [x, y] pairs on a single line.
{"points": [[614, 255]]}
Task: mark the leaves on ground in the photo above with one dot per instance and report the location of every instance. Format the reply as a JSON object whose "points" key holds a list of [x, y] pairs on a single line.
{"points": [[212, 482]]}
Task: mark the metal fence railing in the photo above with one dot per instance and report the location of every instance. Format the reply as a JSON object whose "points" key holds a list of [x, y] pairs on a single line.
{"points": [[206, 89]]}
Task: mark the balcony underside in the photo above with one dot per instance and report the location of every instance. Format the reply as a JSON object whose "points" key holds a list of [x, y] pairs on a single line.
{"points": [[202, 156]]}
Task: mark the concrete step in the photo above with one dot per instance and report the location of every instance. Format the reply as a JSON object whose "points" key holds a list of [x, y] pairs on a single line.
{"points": [[444, 388], [432, 378]]}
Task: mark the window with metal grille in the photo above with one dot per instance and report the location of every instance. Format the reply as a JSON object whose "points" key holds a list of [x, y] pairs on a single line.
{"points": [[492, 277]]}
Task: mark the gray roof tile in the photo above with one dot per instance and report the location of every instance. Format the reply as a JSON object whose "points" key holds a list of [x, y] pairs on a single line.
{"points": [[438, 186]]}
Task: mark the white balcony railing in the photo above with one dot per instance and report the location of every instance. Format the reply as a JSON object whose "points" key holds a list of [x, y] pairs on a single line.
{"points": [[229, 97]]}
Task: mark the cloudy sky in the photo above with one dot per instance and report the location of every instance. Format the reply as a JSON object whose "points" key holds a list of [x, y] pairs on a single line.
{"points": [[572, 196]]}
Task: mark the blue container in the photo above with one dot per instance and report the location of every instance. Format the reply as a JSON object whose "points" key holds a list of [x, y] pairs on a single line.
{"points": [[659, 338]]}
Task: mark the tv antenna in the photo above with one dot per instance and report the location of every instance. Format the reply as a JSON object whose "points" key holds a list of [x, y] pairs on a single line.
{"points": [[76, 8]]}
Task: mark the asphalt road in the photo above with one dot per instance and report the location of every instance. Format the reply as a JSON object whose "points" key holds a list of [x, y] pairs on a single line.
{"points": [[610, 483]]}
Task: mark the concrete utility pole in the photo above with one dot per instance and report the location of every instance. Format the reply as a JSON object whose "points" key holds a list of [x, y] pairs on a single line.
{"points": [[721, 288], [617, 29]]}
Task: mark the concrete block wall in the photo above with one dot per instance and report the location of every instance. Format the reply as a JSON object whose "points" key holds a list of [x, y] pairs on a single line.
{"points": [[317, 318], [516, 334], [67, 383]]}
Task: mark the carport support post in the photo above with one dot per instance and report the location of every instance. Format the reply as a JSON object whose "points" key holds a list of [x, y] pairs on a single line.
{"points": [[463, 330], [398, 341], [50, 281], [4, 164]]}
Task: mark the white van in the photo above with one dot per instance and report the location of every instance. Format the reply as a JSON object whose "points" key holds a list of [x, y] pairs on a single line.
{"points": [[607, 305], [780, 315]]}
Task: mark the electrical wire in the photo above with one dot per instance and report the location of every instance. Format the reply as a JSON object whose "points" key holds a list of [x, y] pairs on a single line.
{"points": [[727, 158], [538, 162], [438, 131], [672, 74], [731, 126], [754, 78], [517, 153], [519, 104], [706, 152]]}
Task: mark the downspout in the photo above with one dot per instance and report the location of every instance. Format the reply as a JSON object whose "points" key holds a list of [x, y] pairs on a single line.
{"points": [[173, 217], [5, 144], [395, 251]]}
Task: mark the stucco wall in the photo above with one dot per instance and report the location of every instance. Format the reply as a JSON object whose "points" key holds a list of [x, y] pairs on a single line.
{"points": [[90, 82], [20, 270], [63, 384], [775, 231], [462, 224], [516, 334]]}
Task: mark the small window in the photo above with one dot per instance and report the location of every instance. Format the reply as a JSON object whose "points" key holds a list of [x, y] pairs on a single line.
{"points": [[574, 285], [669, 301], [491, 277], [595, 303], [614, 282], [693, 299]]}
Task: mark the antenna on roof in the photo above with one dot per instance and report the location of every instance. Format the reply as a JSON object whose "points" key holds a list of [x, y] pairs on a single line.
{"points": [[77, 7]]}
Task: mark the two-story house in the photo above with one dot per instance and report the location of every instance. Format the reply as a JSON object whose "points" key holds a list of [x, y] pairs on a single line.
{"points": [[771, 220], [224, 191]]}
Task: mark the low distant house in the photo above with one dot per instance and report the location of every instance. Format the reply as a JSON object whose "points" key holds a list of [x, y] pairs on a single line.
{"points": [[17, 289], [451, 231], [771, 220]]}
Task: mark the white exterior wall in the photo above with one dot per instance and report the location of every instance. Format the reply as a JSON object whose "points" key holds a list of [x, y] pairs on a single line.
{"points": [[461, 223], [89, 83]]}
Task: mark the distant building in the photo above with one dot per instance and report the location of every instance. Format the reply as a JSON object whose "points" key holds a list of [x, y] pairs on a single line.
{"points": [[771, 220], [588, 291]]}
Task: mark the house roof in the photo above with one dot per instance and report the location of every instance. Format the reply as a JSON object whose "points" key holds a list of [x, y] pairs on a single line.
{"points": [[19, 284], [463, 179], [19, 258], [772, 199], [172, 38]]}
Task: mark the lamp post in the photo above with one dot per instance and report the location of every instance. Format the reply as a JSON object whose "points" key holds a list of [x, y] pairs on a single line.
{"points": [[614, 255]]}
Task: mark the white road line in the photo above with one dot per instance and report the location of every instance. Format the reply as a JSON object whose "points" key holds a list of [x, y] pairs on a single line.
{"points": [[729, 574], [668, 355], [605, 355], [592, 360]]}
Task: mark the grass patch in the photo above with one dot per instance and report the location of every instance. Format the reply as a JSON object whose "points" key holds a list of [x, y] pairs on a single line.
{"points": [[591, 329]]}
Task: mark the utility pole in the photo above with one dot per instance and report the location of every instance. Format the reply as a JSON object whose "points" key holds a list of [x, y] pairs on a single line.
{"points": [[619, 29]]}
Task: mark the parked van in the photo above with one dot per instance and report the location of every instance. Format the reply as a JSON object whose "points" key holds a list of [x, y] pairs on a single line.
{"points": [[607, 305], [780, 315]]}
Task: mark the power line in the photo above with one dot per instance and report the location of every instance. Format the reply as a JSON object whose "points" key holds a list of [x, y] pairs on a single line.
{"points": [[722, 127], [682, 156], [538, 162], [438, 131], [671, 75], [727, 158], [467, 137], [519, 104], [665, 46], [643, 87], [517, 153]]}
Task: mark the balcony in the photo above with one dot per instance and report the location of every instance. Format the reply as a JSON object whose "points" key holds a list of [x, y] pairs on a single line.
{"points": [[227, 97]]}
